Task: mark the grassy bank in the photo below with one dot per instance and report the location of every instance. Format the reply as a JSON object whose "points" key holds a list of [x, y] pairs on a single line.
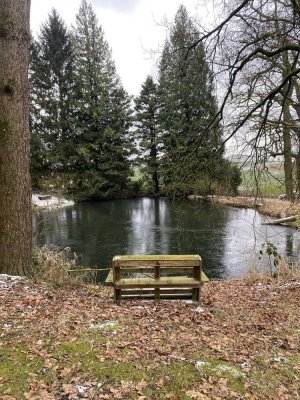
{"points": [[273, 207], [73, 342]]}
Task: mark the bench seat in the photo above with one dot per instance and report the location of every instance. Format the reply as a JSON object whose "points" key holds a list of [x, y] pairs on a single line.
{"points": [[176, 281]]}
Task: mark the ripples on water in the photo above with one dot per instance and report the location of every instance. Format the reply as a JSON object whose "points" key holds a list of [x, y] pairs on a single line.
{"points": [[228, 239]]}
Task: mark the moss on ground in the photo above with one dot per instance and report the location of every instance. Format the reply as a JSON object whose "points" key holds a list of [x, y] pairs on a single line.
{"points": [[17, 368], [273, 376]]}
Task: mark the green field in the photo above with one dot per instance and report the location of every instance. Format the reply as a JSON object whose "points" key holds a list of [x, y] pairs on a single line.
{"points": [[265, 182]]}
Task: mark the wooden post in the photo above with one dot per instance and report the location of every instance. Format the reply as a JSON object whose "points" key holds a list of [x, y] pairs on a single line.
{"points": [[196, 291], [117, 277], [156, 276]]}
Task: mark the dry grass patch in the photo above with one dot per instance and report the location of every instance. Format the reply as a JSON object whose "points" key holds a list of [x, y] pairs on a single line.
{"points": [[52, 265], [274, 207], [284, 271]]}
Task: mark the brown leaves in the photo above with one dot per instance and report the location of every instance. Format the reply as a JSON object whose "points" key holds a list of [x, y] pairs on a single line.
{"points": [[291, 342], [195, 394], [70, 390], [7, 398], [38, 395], [240, 325]]}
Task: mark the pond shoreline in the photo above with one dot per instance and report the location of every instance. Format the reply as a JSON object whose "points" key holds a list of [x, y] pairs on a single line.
{"points": [[275, 208], [42, 201], [272, 207]]}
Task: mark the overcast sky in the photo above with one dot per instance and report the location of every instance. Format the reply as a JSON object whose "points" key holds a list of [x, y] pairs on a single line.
{"points": [[132, 28]]}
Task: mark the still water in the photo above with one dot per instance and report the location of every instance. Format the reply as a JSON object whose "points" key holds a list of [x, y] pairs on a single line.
{"points": [[227, 238]]}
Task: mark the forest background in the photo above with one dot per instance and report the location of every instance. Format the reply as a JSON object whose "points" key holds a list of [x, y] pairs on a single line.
{"points": [[91, 140]]}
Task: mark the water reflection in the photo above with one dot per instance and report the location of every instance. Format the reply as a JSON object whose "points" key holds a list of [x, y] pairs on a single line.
{"points": [[228, 239], [149, 227]]}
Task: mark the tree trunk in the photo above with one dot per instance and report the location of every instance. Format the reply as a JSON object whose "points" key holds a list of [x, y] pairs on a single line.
{"points": [[153, 158], [15, 187], [287, 152], [297, 185]]}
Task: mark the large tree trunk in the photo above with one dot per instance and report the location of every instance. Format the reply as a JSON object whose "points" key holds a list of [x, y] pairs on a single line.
{"points": [[15, 188]]}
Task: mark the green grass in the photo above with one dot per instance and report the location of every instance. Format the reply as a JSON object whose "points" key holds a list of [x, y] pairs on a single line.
{"points": [[87, 357], [269, 377], [270, 182], [17, 368]]}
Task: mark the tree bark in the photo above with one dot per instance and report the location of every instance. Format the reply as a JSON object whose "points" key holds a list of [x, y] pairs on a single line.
{"points": [[153, 157], [287, 151], [15, 187]]}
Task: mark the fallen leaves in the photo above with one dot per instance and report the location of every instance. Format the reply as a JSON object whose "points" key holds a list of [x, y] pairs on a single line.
{"points": [[75, 343]]}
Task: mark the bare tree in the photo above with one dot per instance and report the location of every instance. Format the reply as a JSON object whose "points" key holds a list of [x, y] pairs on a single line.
{"points": [[268, 23], [15, 188], [255, 49]]}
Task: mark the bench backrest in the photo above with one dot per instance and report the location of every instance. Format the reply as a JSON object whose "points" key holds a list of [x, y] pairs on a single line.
{"points": [[157, 264]]}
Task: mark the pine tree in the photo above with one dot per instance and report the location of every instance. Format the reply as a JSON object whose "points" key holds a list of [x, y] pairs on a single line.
{"points": [[52, 92], [148, 132], [102, 111], [187, 106]]}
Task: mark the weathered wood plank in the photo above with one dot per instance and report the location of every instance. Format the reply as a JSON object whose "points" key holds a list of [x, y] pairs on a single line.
{"points": [[204, 278], [196, 295], [178, 296], [153, 263], [150, 269], [142, 291], [140, 257], [163, 296], [109, 278], [157, 278], [161, 282], [117, 277]]}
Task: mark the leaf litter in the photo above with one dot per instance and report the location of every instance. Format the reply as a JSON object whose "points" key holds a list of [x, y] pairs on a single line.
{"points": [[73, 343]]}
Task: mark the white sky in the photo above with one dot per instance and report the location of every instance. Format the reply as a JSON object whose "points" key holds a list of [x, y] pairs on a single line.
{"points": [[131, 28]]}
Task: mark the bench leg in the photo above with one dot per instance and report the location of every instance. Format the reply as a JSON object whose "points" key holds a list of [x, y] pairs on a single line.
{"points": [[117, 296], [156, 294], [196, 295]]}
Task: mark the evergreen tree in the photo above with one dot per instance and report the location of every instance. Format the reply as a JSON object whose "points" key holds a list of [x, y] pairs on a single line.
{"points": [[102, 111], [187, 106], [52, 92], [148, 132]]}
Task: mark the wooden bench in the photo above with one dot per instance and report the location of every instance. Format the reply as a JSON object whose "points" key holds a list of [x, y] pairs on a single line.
{"points": [[162, 276]]}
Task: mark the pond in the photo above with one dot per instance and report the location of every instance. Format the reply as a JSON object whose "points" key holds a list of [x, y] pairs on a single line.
{"points": [[228, 239]]}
